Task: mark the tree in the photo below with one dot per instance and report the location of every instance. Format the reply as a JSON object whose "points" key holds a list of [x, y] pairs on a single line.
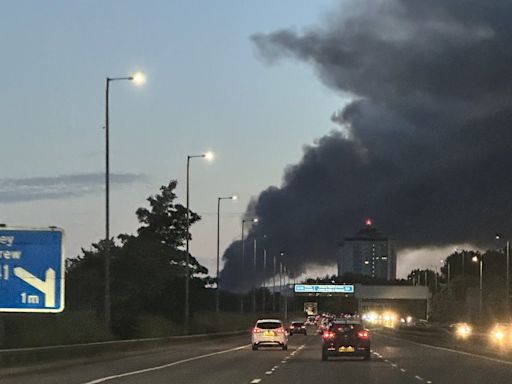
{"points": [[148, 269]]}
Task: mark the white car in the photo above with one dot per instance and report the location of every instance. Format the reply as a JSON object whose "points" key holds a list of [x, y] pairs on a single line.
{"points": [[269, 332]]}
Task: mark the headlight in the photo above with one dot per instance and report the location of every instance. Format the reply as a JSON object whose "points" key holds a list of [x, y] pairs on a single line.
{"points": [[463, 331], [499, 335]]}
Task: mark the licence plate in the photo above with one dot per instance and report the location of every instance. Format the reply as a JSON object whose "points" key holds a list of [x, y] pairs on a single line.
{"points": [[346, 349], [269, 333]]}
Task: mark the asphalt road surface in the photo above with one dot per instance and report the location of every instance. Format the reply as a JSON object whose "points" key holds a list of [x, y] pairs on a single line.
{"points": [[229, 361]]}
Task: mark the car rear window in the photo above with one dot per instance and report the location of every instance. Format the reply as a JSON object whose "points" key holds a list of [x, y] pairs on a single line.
{"points": [[297, 323], [268, 325], [344, 328]]}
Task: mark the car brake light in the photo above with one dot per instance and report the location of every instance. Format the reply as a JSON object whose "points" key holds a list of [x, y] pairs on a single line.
{"points": [[362, 334], [328, 335], [280, 330], [256, 330]]}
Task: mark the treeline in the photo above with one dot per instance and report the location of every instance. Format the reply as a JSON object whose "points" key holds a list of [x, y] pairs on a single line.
{"points": [[147, 272], [456, 286]]}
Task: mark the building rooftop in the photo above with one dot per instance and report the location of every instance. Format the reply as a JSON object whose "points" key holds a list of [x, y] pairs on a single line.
{"points": [[368, 232]]}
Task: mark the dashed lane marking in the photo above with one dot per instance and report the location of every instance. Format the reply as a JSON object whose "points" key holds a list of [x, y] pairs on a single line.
{"points": [[403, 370], [255, 381], [419, 378], [269, 372]]}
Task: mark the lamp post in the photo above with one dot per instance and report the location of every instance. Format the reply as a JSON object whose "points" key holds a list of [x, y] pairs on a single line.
{"points": [[253, 220], [274, 286], [507, 303], [462, 254], [264, 285], [477, 259], [208, 156], [217, 295], [138, 78], [254, 276], [448, 266]]}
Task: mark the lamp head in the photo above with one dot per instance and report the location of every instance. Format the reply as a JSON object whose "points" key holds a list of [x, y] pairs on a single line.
{"points": [[209, 156], [139, 78]]}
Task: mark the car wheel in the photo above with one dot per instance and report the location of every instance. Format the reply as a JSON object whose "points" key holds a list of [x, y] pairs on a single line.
{"points": [[254, 347], [324, 356], [368, 355], [285, 347]]}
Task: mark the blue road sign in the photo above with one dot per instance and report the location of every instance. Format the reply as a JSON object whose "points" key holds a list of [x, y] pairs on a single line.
{"points": [[31, 270], [323, 288]]}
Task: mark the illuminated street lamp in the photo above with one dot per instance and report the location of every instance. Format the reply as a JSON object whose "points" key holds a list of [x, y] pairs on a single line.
{"points": [[462, 254], [253, 220], [217, 296], [137, 79], [498, 237], [207, 156], [448, 265], [477, 259]]}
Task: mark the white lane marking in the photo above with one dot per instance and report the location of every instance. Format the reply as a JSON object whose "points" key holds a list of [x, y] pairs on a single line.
{"points": [[429, 382], [403, 370], [283, 361], [275, 367], [393, 365], [108, 378], [450, 350], [255, 381], [418, 377], [269, 372]]}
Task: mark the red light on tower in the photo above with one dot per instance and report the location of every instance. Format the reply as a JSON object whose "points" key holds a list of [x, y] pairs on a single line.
{"points": [[369, 222]]}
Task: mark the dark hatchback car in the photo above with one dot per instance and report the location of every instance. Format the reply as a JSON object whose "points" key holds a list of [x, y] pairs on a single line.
{"points": [[346, 338], [298, 327]]}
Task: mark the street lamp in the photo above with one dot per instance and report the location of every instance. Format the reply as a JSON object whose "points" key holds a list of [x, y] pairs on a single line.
{"points": [[253, 220], [136, 78], [448, 265], [477, 259], [462, 254], [254, 275], [217, 296], [208, 156], [507, 303]]}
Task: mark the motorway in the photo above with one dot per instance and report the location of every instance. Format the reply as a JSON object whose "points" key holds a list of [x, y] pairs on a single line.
{"points": [[227, 361]]}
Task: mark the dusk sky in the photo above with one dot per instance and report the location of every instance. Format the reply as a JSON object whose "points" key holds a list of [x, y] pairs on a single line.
{"points": [[207, 89]]}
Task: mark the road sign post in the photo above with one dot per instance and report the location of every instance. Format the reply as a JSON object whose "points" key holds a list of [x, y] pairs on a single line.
{"points": [[31, 270]]}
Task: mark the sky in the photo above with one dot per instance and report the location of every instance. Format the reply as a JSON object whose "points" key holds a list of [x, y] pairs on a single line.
{"points": [[320, 115], [207, 89]]}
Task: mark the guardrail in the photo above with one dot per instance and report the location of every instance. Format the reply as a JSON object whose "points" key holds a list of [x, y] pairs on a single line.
{"points": [[41, 355]]}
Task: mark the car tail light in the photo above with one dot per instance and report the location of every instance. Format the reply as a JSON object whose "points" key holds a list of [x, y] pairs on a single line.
{"points": [[280, 330], [256, 330], [362, 334], [328, 335]]}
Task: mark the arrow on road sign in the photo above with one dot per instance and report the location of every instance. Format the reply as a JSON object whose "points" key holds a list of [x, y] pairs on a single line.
{"points": [[47, 287]]}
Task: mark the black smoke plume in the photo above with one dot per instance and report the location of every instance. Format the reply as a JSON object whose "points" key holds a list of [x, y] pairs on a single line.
{"points": [[424, 147]]}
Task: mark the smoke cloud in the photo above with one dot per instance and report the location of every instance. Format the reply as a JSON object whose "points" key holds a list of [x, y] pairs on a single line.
{"points": [[424, 147]]}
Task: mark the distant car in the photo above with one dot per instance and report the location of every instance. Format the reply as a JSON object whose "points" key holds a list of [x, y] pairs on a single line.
{"points": [[298, 327], [269, 332], [461, 330], [311, 320], [501, 335], [346, 338]]}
